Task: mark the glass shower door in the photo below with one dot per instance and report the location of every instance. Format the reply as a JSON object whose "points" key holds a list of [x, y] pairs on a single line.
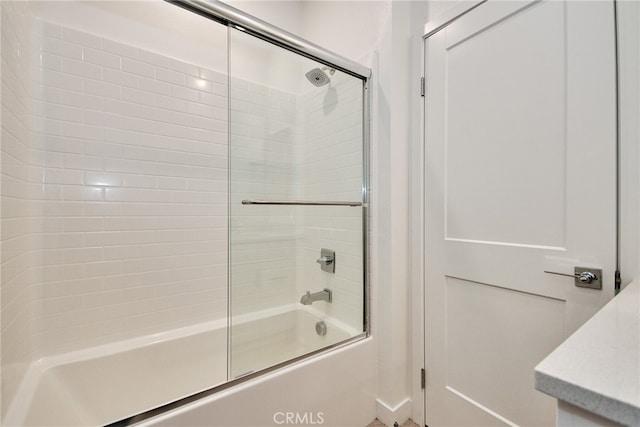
{"points": [[296, 214]]}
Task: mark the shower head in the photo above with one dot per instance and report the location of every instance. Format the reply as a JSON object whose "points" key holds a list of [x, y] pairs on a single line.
{"points": [[318, 77]]}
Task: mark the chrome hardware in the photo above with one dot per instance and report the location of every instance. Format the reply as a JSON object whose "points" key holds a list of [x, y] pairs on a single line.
{"points": [[587, 277], [321, 328], [300, 203], [324, 295], [584, 277], [327, 260]]}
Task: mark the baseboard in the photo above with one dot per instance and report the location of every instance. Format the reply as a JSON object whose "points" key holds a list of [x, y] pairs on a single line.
{"points": [[397, 414]]}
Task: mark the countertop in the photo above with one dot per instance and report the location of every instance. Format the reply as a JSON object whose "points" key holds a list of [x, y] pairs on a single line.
{"points": [[598, 367]]}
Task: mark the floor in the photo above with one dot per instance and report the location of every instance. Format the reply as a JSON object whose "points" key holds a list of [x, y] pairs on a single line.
{"points": [[378, 423]]}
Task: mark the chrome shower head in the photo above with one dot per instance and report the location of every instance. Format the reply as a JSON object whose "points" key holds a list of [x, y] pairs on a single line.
{"points": [[318, 77]]}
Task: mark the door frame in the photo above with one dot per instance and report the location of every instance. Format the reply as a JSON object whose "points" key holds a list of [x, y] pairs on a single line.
{"points": [[417, 209], [628, 186]]}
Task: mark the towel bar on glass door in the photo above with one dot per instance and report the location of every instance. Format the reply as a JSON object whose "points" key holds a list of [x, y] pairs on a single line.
{"points": [[300, 203]]}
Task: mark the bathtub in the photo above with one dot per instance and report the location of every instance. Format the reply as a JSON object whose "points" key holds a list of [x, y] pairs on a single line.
{"points": [[104, 384]]}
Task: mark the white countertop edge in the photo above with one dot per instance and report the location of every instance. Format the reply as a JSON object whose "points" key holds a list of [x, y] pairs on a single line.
{"points": [[592, 401], [574, 371]]}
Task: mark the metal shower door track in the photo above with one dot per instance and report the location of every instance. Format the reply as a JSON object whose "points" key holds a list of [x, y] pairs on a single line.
{"points": [[226, 14]]}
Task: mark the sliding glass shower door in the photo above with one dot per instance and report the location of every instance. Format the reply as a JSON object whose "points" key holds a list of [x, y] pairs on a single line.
{"points": [[296, 131]]}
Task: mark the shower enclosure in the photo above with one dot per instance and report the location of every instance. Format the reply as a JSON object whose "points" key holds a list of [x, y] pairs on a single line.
{"points": [[179, 212], [296, 179]]}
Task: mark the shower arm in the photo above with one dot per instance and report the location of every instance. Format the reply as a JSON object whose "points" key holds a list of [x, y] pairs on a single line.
{"points": [[300, 203]]}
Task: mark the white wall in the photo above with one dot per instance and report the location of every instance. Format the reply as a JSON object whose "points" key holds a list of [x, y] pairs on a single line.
{"points": [[353, 29], [285, 14]]}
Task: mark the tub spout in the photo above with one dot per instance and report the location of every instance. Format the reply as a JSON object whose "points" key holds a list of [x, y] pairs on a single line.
{"points": [[309, 298]]}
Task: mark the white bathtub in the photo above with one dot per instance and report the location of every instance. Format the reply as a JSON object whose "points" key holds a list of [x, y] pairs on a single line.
{"points": [[337, 388], [105, 384]]}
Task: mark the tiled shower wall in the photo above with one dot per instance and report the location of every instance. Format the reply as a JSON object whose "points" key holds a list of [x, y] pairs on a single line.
{"points": [[297, 147], [19, 209], [135, 191], [265, 135], [135, 187], [332, 170]]}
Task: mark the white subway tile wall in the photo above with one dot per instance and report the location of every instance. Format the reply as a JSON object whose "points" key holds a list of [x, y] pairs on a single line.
{"points": [[19, 191], [332, 170], [265, 134], [135, 191]]}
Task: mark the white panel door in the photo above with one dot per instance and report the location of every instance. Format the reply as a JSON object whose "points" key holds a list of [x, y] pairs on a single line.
{"points": [[520, 168]]}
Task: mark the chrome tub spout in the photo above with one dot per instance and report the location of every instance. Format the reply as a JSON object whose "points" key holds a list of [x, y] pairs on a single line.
{"points": [[309, 298]]}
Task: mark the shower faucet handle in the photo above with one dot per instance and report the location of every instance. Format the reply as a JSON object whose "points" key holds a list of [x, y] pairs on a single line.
{"points": [[325, 260]]}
